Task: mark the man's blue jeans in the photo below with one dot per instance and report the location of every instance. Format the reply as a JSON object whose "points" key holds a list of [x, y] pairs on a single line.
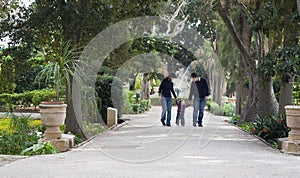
{"points": [[199, 104], [166, 103]]}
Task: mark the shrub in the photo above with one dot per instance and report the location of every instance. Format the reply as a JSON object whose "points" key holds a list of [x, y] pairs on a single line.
{"points": [[145, 105], [216, 109], [270, 127], [14, 143], [247, 126], [208, 104], [8, 101], [40, 149], [136, 108], [103, 88], [19, 136], [235, 119], [127, 109], [229, 109]]}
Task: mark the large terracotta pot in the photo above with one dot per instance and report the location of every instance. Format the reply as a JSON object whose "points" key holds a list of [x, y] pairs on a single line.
{"points": [[53, 115], [293, 122]]}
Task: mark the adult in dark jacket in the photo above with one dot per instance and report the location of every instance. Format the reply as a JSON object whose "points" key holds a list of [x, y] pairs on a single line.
{"points": [[164, 92], [200, 91]]}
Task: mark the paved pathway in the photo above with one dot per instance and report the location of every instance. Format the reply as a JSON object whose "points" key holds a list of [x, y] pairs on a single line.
{"points": [[144, 148]]}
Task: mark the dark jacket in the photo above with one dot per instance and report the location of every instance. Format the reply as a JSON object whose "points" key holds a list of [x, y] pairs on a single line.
{"points": [[199, 89], [166, 87]]}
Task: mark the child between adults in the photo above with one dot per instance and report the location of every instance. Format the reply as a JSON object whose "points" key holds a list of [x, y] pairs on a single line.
{"points": [[180, 111]]}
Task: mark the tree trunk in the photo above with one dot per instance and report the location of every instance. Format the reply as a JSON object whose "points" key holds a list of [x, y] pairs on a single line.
{"points": [[261, 100], [286, 93], [241, 91], [73, 123], [290, 40], [241, 96], [145, 89], [217, 89]]}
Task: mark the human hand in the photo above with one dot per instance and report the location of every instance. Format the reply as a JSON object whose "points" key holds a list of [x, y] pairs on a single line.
{"points": [[206, 98]]}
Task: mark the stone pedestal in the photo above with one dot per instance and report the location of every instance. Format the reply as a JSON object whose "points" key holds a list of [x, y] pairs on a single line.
{"points": [[63, 144], [292, 146], [112, 117]]}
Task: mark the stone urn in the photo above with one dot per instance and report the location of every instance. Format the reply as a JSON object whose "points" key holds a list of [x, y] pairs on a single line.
{"points": [[292, 145], [293, 122], [53, 115]]}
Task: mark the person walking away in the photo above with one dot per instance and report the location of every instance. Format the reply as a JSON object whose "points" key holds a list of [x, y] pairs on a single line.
{"points": [[200, 90], [164, 92], [180, 112]]}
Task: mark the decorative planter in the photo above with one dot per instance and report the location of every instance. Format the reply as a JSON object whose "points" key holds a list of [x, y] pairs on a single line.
{"points": [[293, 122], [292, 145], [53, 115]]}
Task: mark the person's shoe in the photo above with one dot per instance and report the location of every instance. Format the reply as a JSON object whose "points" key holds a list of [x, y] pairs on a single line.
{"points": [[194, 125], [200, 125], [168, 125], [163, 123]]}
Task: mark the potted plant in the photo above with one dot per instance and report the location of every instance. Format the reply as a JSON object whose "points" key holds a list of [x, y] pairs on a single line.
{"points": [[59, 68]]}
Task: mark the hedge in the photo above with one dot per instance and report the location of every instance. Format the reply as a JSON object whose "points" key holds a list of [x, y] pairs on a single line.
{"points": [[26, 99]]}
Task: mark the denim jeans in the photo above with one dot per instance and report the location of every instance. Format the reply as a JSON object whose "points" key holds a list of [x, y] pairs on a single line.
{"points": [[199, 104], [166, 103]]}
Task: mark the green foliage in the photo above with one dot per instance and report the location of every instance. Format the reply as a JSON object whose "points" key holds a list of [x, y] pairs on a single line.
{"points": [[14, 143], [229, 109], [103, 86], [40, 149], [270, 127], [296, 91], [208, 104], [216, 109], [91, 129], [127, 100], [142, 106], [78, 139], [247, 126], [288, 61], [20, 136], [21, 125], [138, 83], [7, 72], [60, 68], [235, 119], [8, 101]]}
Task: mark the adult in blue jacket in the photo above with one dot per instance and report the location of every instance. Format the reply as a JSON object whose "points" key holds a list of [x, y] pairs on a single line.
{"points": [[164, 92]]}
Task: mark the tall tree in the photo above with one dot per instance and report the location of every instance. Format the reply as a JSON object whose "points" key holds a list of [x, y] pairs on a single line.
{"points": [[261, 99]]}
